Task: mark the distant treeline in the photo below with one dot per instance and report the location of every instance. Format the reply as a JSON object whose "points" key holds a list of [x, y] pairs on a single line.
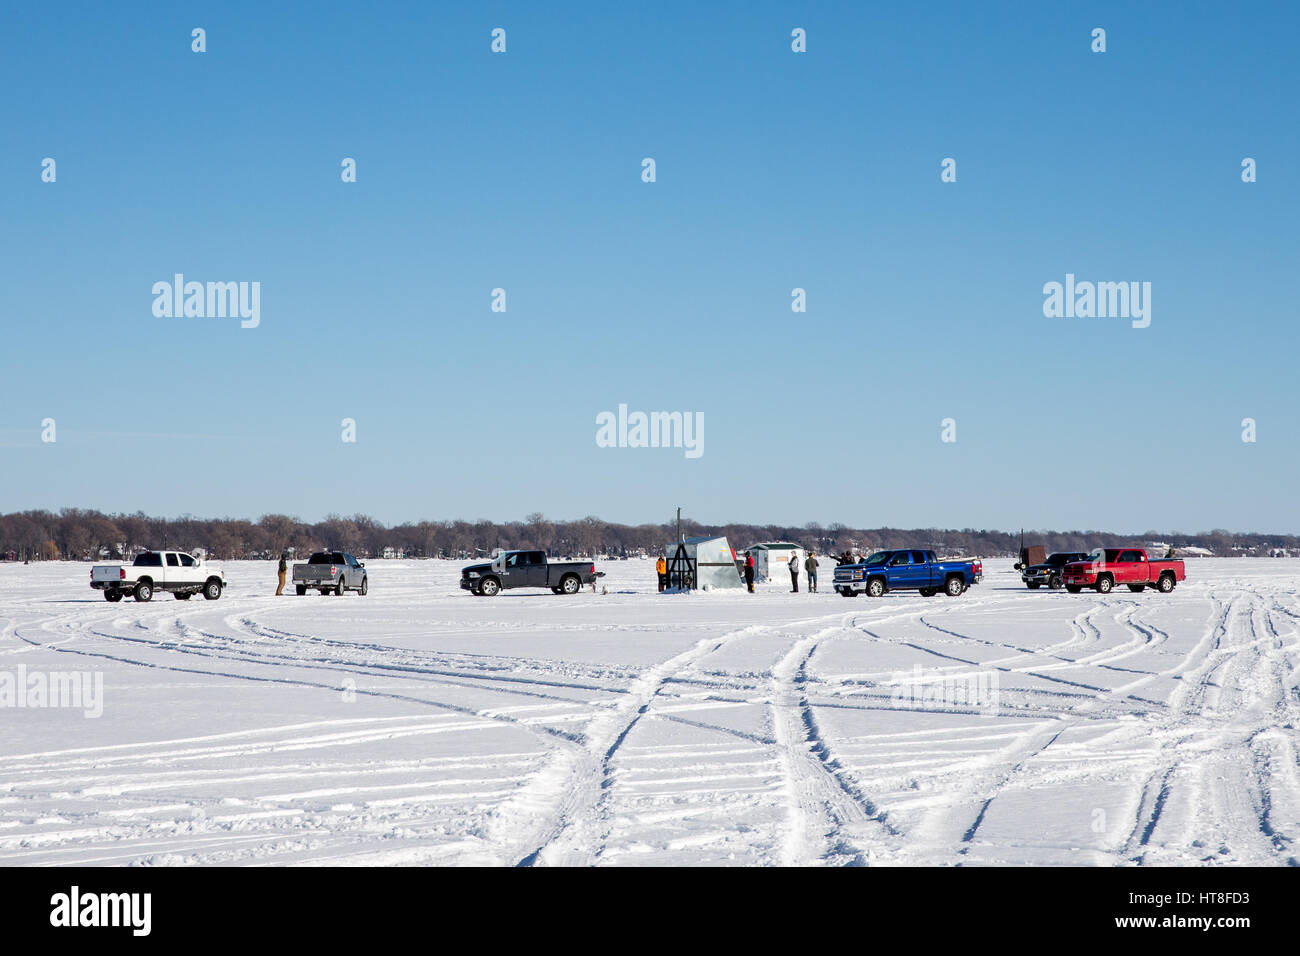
{"points": [[90, 535]]}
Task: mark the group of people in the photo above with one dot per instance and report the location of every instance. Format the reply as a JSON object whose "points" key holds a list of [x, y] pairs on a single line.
{"points": [[809, 565]]}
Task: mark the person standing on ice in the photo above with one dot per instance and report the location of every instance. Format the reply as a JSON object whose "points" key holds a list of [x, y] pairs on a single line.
{"points": [[284, 567], [661, 568], [794, 572], [810, 565], [749, 572]]}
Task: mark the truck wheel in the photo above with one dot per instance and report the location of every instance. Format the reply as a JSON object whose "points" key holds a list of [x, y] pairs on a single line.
{"points": [[301, 589], [143, 591], [1054, 584], [1104, 584], [953, 586], [338, 591], [1074, 588], [570, 584], [212, 590], [113, 595], [876, 587], [1137, 588], [1032, 585], [365, 585], [489, 587], [1166, 583]]}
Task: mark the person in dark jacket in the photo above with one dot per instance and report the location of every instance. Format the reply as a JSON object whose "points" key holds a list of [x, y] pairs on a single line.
{"points": [[749, 572], [284, 567]]}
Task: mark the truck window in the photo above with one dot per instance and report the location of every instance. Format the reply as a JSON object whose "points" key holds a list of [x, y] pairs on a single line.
{"points": [[918, 557], [536, 557], [513, 560], [149, 560], [187, 561], [173, 561], [902, 557], [1128, 557]]}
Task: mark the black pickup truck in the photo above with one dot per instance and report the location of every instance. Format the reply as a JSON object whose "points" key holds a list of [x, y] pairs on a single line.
{"points": [[527, 569]]}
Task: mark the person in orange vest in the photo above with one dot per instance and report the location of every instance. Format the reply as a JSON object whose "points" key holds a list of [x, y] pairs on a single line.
{"points": [[661, 566]]}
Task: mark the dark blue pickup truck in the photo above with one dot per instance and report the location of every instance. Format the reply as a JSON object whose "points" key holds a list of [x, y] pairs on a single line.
{"points": [[907, 571]]}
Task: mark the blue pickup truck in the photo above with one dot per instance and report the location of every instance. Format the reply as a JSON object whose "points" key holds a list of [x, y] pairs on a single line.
{"points": [[907, 571]]}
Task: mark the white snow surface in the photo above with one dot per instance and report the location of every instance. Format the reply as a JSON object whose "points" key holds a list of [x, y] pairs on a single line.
{"points": [[422, 725]]}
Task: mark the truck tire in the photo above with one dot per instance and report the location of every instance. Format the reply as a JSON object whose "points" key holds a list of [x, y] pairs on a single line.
{"points": [[113, 595], [365, 586], [1137, 588], [1054, 584], [342, 586], [876, 587], [570, 584], [1074, 588], [301, 589], [212, 590], [1166, 583], [954, 586], [489, 587], [1104, 584], [143, 591]]}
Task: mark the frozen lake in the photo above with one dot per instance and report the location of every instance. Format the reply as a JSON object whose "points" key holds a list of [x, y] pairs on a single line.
{"points": [[420, 724]]}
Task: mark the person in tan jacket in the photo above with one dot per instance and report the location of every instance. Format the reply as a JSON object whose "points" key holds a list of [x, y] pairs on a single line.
{"points": [[810, 565]]}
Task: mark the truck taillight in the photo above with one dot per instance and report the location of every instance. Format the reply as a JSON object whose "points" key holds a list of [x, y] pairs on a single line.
{"points": [[121, 572], [331, 571], [593, 569]]}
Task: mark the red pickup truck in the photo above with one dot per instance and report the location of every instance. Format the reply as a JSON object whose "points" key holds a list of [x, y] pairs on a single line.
{"points": [[1107, 567]]}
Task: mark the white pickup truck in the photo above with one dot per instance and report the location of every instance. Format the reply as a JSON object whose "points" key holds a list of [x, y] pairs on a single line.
{"points": [[184, 575]]}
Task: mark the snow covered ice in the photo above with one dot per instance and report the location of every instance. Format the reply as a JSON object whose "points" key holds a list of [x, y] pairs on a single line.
{"points": [[422, 725]]}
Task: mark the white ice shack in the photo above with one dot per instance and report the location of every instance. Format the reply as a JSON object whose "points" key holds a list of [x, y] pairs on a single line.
{"points": [[714, 561], [772, 559]]}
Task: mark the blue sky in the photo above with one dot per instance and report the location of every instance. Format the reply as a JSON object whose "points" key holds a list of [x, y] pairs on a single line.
{"points": [[775, 170]]}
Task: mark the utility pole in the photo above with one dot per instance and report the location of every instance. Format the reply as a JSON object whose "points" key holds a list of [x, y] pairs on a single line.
{"points": [[680, 539]]}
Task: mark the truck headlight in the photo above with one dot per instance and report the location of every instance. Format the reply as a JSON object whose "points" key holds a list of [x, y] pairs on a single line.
{"points": [[472, 574]]}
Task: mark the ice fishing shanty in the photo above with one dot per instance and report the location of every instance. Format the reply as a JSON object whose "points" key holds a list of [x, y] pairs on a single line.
{"points": [[704, 562]]}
